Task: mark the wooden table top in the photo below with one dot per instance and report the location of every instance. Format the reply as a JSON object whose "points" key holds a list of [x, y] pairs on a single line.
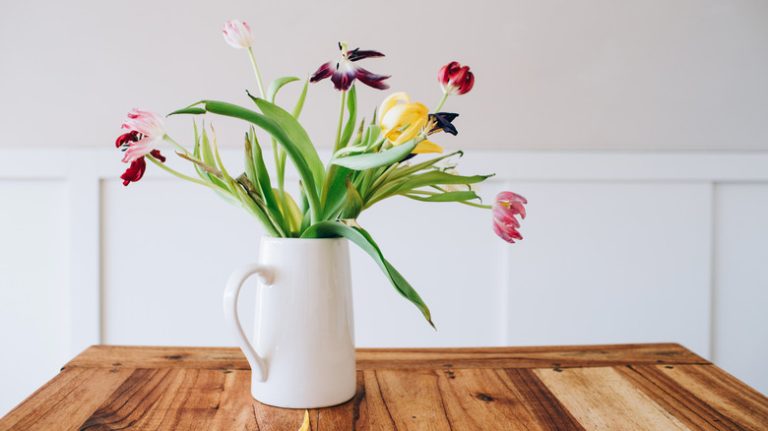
{"points": [[612, 387]]}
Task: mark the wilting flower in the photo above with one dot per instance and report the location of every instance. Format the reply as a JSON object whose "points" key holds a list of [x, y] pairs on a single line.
{"points": [[343, 72], [455, 78], [237, 34], [508, 205], [145, 129], [402, 120], [443, 121]]}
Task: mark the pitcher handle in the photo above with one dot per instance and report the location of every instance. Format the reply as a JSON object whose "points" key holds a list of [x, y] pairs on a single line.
{"points": [[231, 296]]}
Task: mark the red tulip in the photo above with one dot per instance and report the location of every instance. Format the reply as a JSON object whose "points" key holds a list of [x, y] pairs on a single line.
{"points": [[508, 205], [456, 78]]}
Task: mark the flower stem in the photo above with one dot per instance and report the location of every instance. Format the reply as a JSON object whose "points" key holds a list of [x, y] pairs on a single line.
{"points": [[337, 145], [178, 174], [176, 144], [257, 72], [442, 101]]}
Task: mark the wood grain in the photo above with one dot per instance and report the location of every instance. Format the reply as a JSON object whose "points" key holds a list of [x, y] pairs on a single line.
{"points": [[481, 357], [620, 387]]}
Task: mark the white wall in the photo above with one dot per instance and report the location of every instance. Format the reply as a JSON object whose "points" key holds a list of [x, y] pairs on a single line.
{"points": [[632, 247], [551, 74], [621, 246]]}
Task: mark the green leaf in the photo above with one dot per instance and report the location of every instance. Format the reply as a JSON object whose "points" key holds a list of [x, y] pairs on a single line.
{"points": [[208, 158], [438, 177], [262, 180], [291, 211], [194, 110], [353, 204], [349, 128], [334, 191], [362, 162], [458, 196], [300, 102], [277, 84], [359, 236], [298, 136], [297, 152]]}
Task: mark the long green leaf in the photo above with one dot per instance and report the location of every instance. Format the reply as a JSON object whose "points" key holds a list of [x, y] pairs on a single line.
{"points": [[277, 84], [437, 177], [294, 150], [359, 236], [457, 196], [362, 162], [297, 135], [349, 127], [263, 181]]}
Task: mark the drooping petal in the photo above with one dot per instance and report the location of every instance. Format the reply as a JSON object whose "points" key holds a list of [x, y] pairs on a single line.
{"points": [[425, 147], [371, 79], [156, 154], [359, 54], [444, 121], [138, 149], [134, 172], [324, 71]]}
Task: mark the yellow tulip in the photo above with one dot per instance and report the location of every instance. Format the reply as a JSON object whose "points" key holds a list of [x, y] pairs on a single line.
{"points": [[402, 120]]}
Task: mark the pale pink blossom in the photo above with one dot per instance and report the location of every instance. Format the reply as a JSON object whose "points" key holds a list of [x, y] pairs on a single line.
{"points": [[237, 34], [146, 130], [507, 207]]}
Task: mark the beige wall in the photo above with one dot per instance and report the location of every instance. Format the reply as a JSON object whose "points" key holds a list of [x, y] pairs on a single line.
{"points": [[651, 74]]}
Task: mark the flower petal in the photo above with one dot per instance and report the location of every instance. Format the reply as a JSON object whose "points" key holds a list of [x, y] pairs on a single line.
{"points": [[359, 54], [342, 80], [371, 79], [324, 71], [425, 147], [134, 172]]}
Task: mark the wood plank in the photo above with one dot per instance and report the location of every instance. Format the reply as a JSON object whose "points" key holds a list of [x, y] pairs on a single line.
{"points": [[601, 399], [477, 399], [65, 401], [367, 359], [741, 404], [413, 399], [678, 401]]}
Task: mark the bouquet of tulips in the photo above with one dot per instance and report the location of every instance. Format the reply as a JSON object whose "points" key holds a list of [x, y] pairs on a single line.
{"points": [[393, 154]]}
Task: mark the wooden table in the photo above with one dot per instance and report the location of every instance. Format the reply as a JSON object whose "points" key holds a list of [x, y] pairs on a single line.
{"points": [[617, 387]]}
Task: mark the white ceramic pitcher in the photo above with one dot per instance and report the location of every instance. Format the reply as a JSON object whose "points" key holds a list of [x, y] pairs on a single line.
{"points": [[303, 353]]}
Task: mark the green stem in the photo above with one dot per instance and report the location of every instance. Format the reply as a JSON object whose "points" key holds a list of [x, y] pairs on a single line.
{"points": [[257, 72], [442, 101], [337, 145], [176, 144], [178, 174]]}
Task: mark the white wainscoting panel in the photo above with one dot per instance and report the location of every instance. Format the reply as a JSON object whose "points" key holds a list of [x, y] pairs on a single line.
{"points": [[611, 262], [34, 302], [619, 247], [741, 273]]}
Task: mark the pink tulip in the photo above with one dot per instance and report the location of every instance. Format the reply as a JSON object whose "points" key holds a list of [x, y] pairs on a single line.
{"points": [[237, 34], [145, 129], [508, 205]]}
